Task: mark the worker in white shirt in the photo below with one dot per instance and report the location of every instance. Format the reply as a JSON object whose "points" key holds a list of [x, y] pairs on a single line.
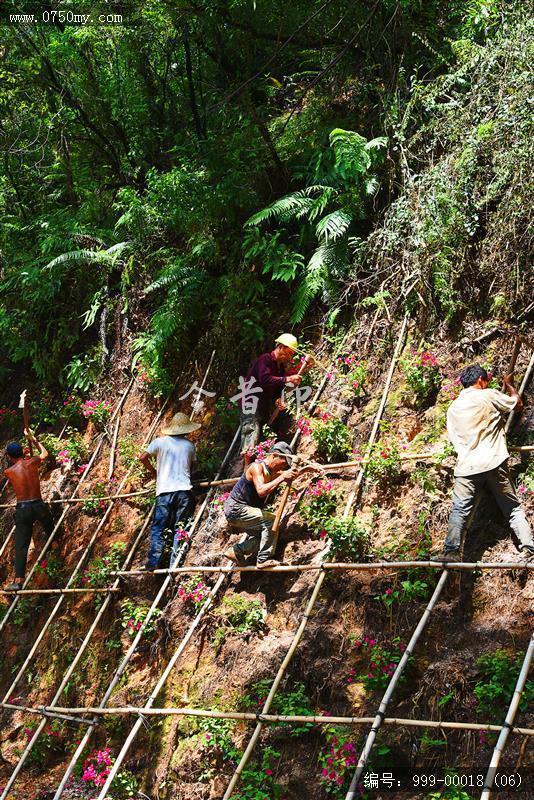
{"points": [[475, 424], [176, 456]]}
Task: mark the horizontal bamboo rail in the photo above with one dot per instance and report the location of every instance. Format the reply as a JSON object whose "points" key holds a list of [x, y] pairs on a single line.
{"points": [[81, 590], [317, 719], [335, 565]]}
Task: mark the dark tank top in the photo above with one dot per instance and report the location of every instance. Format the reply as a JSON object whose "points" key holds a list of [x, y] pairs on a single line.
{"points": [[244, 492]]}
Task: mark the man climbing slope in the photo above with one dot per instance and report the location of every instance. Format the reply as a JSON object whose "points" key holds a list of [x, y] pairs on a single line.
{"points": [[244, 508], [475, 423], [265, 381], [176, 456], [23, 475]]}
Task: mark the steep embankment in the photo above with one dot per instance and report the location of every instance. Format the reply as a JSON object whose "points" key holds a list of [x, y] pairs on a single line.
{"points": [[463, 668]]}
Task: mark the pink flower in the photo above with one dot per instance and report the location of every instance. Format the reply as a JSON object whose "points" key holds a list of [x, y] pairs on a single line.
{"points": [[389, 591], [268, 772]]}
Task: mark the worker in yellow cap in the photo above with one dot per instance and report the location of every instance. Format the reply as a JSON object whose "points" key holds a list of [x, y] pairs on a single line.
{"points": [[266, 380]]}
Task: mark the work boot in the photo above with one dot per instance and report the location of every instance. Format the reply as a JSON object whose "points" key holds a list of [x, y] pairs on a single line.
{"points": [[147, 568], [232, 555], [14, 586], [447, 556], [271, 562], [527, 551]]}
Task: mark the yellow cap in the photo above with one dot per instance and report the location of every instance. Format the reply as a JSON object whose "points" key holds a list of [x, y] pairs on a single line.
{"points": [[288, 340]]}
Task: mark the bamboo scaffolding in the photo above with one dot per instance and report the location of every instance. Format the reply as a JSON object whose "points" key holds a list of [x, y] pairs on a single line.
{"points": [[56, 527], [100, 613], [113, 449], [207, 484], [60, 591], [508, 723], [127, 657], [353, 789], [317, 719], [318, 584], [181, 647]]}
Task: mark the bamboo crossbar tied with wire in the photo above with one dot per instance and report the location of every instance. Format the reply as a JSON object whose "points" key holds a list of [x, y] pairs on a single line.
{"points": [[314, 719]]}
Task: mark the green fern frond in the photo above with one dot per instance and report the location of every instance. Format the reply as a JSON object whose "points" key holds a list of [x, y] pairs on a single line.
{"points": [[75, 255], [333, 226]]}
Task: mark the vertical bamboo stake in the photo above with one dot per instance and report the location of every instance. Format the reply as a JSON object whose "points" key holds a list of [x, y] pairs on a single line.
{"points": [[113, 448], [318, 584], [508, 723], [523, 386]]}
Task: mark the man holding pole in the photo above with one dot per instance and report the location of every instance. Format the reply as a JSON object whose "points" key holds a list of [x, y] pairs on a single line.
{"points": [[476, 427], [176, 456], [261, 402], [244, 508], [23, 475]]}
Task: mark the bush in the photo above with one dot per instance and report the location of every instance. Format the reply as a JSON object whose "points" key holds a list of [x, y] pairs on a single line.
{"points": [[331, 436], [384, 463], [133, 616], [318, 504], [349, 538], [237, 613], [498, 676], [422, 374], [380, 661], [338, 760]]}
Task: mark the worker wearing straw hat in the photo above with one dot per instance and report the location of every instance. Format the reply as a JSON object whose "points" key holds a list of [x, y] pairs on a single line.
{"points": [[267, 379], [175, 456]]}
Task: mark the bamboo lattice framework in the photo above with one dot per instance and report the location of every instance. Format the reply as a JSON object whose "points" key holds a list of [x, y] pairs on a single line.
{"points": [[76, 714]]}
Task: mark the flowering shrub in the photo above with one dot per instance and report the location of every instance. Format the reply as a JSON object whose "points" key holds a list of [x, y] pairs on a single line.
{"points": [[450, 389], [98, 411], [498, 673], [404, 592], [133, 616], [74, 451], [220, 500], [331, 436], [304, 426], [239, 614], [352, 374], [349, 538], [261, 450], [319, 504], [52, 566], [72, 407], [53, 444], [227, 414], [381, 659], [257, 781], [383, 461], [193, 592], [337, 760], [422, 374], [46, 744], [96, 502], [96, 768], [96, 574], [527, 480], [152, 377], [8, 418]]}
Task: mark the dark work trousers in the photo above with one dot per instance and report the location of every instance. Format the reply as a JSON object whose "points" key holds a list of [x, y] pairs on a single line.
{"points": [[171, 508], [26, 513]]}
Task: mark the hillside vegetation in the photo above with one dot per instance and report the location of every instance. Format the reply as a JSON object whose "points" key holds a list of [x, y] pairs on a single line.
{"points": [[194, 181]]}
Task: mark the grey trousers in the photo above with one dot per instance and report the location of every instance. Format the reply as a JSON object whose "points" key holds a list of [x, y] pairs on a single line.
{"points": [[251, 430], [257, 525], [499, 483]]}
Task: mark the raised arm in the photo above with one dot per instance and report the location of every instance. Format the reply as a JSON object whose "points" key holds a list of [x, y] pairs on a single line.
{"points": [[512, 391], [42, 451]]}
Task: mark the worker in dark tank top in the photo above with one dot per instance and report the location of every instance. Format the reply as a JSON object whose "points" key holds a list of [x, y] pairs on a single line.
{"points": [[244, 508]]}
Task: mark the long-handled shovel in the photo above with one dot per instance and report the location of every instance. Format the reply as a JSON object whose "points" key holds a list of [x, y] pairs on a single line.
{"points": [[23, 404]]}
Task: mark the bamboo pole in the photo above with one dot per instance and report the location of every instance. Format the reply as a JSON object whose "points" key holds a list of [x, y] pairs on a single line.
{"points": [[316, 719], [508, 723], [318, 584], [113, 448], [344, 566], [56, 527], [524, 383], [352, 792], [174, 658]]}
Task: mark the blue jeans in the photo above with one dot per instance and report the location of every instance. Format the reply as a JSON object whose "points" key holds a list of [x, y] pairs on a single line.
{"points": [[171, 508]]}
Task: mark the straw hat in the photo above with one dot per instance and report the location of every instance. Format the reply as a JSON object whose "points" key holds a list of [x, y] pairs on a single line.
{"points": [[180, 424], [288, 340]]}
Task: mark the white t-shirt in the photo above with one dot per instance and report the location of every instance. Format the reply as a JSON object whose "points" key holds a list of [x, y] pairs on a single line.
{"points": [[176, 456], [475, 424]]}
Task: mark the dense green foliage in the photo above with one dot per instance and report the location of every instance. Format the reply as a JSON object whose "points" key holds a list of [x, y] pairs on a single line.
{"points": [[203, 173]]}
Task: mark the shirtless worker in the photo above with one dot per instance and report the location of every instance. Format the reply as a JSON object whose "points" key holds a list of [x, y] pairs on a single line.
{"points": [[244, 508], [23, 475], [475, 424], [267, 378]]}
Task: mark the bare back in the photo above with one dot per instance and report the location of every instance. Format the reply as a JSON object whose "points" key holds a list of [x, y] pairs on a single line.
{"points": [[24, 478]]}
